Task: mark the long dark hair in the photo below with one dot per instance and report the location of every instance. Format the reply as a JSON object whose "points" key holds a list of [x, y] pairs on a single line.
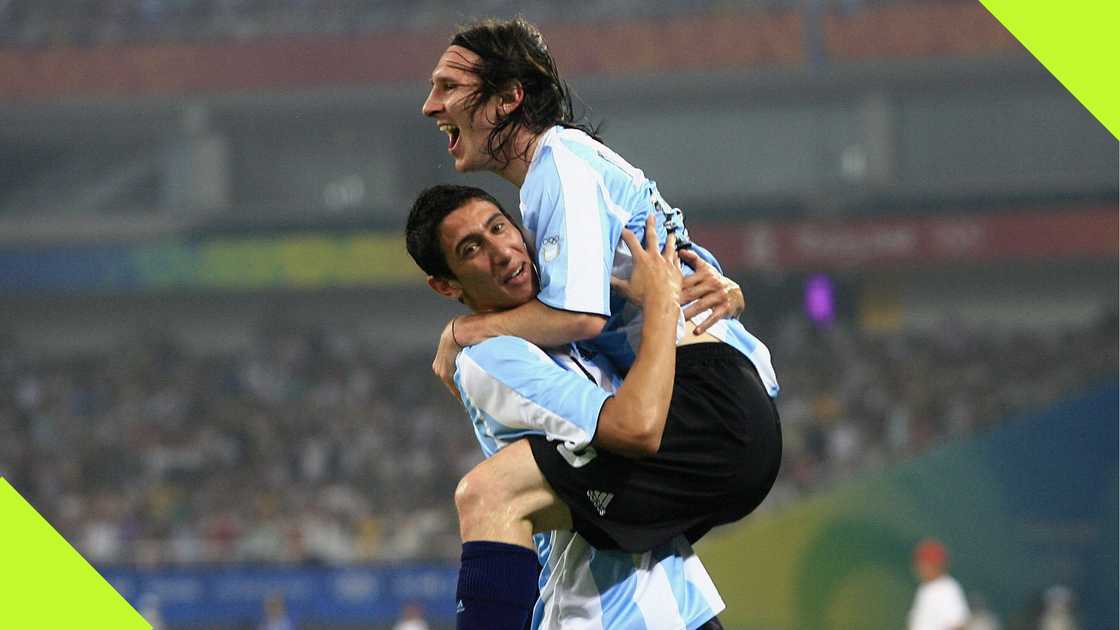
{"points": [[514, 51]]}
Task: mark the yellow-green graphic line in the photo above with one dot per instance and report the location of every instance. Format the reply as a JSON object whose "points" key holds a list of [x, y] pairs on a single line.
{"points": [[44, 582], [1075, 41]]}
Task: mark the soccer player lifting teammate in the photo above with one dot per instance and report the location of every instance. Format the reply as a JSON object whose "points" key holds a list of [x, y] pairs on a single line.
{"points": [[538, 414]]}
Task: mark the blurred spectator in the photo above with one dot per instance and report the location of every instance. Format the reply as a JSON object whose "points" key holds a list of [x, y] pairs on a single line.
{"points": [[412, 618], [1057, 611], [939, 603], [276, 614]]}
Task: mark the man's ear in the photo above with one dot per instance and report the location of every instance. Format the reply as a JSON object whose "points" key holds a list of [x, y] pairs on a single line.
{"points": [[511, 97], [446, 288]]}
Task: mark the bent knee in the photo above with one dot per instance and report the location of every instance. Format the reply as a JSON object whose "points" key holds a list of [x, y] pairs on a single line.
{"points": [[471, 492], [483, 489], [497, 489]]}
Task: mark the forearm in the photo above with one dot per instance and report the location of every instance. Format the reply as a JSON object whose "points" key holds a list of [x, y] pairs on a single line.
{"points": [[633, 421], [533, 321]]}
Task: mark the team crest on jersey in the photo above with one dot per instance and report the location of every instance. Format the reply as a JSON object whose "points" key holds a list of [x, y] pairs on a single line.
{"points": [[550, 249], [600, 500]]}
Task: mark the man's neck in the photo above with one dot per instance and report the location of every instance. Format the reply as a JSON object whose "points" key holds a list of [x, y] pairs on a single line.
{"points": [[524, 148]]}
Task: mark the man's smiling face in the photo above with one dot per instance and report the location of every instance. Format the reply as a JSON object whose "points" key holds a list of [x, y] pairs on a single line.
{"points": [[488, 257], [449, 102]]}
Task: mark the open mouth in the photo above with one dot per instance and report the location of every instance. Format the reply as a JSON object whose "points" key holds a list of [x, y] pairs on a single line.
{"points": [[519, 273], [452, 134]]}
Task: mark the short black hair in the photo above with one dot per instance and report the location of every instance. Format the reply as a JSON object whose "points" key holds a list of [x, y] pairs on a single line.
{"points": [[514, 51], [421, 233]]}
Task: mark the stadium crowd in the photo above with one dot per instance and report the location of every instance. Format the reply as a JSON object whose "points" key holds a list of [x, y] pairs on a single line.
{"points": [[316, 448]]}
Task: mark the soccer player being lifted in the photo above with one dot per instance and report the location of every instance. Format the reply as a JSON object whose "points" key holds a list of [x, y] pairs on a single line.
{"points": [[497, 95]]}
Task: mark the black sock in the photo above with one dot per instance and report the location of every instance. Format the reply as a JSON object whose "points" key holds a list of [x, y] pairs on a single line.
{"points": [[497, 586]]}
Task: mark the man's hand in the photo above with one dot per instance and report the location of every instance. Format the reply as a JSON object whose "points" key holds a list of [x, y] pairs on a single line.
{"points": [[632, 422], [710, 290], [655, 274], [444, 362]]}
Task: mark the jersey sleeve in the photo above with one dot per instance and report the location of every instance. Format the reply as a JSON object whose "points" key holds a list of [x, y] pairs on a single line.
{"points": [[517, 386], [575, 234]]}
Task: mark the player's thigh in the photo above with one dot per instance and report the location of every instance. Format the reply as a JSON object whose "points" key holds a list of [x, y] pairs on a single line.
{"points": [[511, 482]]}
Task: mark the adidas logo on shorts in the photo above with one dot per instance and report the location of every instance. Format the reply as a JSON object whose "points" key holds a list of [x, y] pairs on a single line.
{"points": [[600, 500]]}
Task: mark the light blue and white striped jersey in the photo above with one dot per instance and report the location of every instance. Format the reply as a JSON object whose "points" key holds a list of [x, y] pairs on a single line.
{"points": [[583, 588], [577, 197], [512, 388]]}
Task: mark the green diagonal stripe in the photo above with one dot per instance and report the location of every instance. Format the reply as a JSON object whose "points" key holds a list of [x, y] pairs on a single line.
{"points": [[1077, 42], [45, 584]]}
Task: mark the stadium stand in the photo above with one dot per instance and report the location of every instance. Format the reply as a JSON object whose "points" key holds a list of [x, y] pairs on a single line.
{"points": [[315, 448], [98, 22]]}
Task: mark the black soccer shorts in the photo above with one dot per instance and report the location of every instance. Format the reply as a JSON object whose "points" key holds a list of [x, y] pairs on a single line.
{"points": [[719, 457]]}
